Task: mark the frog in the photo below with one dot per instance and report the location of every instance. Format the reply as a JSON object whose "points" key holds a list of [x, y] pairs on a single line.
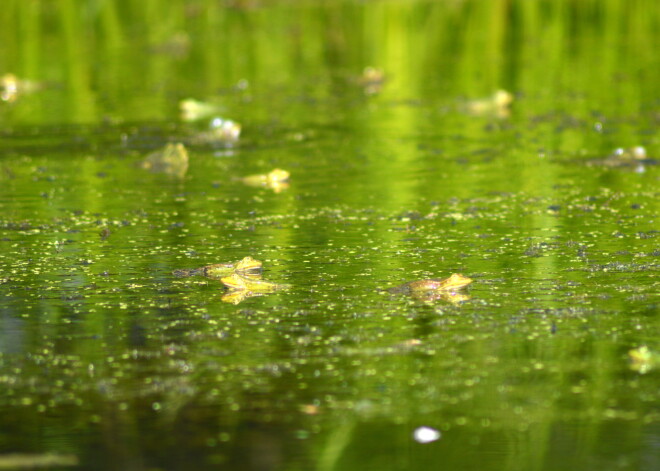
{"points": [[420, 287], [371, 80], [171, 160], [643, 359], [195, 110], [498, 105], [221, 132], [625, 157], [256, 285], [277, 180], [12, 87], [247, 266]]}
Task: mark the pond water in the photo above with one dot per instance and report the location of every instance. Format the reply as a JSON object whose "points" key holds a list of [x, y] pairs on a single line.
{"points": [[409, 170]]}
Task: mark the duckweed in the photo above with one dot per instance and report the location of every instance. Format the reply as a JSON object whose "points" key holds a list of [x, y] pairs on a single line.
{"points": [[396, 175]]}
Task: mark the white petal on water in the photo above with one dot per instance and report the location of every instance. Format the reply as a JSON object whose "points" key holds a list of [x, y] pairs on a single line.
{"points": [[426, 434]]}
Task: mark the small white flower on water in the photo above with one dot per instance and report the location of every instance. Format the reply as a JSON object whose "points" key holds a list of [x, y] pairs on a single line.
{"points": [[426, 434]]}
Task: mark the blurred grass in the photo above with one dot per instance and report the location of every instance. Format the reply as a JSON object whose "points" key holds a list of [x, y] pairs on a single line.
{"points": [[135, 59]]}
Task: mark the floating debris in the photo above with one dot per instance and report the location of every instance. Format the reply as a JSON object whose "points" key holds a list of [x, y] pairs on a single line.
{"points": [[499, 105], [171, 160], [194, 110], [277, 180], [426, 434]]}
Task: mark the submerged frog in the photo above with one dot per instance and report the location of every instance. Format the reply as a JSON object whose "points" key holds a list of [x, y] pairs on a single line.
{"points": [[248, 266], [277, 180], [238, 282], [453, 283], [171, 160], [176, 46]]}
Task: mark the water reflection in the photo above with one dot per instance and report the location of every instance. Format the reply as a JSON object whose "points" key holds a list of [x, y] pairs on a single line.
{"points": [[12, 333], [107, 356]]}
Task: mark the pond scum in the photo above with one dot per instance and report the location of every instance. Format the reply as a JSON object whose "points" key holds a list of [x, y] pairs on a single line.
{"points": [[401, 164]]}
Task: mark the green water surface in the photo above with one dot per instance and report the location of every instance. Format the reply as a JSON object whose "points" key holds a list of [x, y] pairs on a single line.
{"points": [[109, 361]]}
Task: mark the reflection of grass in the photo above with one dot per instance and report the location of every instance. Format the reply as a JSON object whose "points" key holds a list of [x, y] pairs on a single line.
{"points": [[335, 446], [47, 460], [86, 50]]}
